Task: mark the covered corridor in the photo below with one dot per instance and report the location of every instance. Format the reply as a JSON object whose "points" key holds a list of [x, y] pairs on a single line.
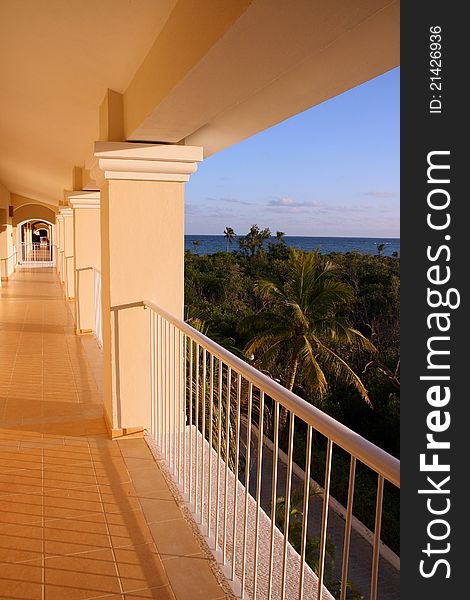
{"points": [[108, 114], [81, 516]]}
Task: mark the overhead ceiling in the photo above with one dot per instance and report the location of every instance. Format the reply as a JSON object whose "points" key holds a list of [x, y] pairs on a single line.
{"points": [[209, 72], [57, 59]]}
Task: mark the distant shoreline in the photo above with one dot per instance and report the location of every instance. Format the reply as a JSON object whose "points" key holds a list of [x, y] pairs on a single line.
{"points": [[326, 237], [210, 244]]}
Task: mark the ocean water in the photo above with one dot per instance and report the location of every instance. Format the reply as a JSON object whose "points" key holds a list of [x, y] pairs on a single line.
{"points": [[209, 244]]}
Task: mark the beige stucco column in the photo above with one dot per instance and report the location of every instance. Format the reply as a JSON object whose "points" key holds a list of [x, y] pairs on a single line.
{"points": [[60, 246], [87, 252], [68, 264], [142, 258], [7, 261], [7, 258]]}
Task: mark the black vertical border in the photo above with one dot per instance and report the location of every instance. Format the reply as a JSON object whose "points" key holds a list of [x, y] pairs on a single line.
{"points": [[422, 132]]}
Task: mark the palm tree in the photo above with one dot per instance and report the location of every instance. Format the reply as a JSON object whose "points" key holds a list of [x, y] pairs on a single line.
{"points": [[280, 236], [304, 323], [253, 241], [381, 247], [196, 244], [229, 235]]}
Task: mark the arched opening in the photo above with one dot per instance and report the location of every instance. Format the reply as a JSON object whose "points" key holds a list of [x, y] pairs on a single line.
{"points": [[36, 242]]}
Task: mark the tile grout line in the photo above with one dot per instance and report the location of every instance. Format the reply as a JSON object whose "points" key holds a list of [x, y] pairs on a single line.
{"points": [[43, 570], [43, 545], [106, 524], [20, 336]]}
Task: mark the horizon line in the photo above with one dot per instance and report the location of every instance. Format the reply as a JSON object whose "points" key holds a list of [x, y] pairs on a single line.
{"points": [[371, 237]]}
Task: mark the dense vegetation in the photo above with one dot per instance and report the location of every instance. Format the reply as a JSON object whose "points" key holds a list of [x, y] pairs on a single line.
{"points": [[228, 291]]}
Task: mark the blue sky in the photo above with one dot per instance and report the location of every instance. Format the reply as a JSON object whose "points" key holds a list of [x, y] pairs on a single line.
{"points": [[332, 170]]}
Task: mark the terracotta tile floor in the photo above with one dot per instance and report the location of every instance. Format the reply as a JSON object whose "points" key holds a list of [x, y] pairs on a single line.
{"points": [[80, 516]]}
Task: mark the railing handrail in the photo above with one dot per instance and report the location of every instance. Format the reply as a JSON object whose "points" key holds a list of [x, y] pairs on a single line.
{"points": [[374, 457], [88, 269], [8, 257]]}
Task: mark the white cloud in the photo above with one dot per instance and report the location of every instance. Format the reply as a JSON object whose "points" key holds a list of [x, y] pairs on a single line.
{"points": [[230, 201], [289, 205], [381, 194]]}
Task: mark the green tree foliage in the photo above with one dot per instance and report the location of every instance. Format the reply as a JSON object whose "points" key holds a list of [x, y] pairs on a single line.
{"points": [[220, 287], [219, 291], [252, 243]]}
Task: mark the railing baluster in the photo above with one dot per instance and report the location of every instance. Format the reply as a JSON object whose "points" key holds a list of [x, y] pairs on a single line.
{"points": [[273, 497], [235, 472], [247, 485], [182, 406], [290, 452], [196, 424], [258, 490], [167, 393], [219, 442], [376, 551], [203, 427], [159, 383], [227, 451], [173, 393], [324, 519], [165, 390], [209, 465], [347, 529], [152, 371], [190, 474], [155, 373], [168, 390], [308, 459]]}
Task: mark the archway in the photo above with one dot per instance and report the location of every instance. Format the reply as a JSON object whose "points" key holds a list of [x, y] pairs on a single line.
{"points": [[36, 242], [30, 210]]}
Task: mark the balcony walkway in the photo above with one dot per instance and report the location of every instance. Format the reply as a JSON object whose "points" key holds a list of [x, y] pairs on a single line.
{"points": [[81, 516]]}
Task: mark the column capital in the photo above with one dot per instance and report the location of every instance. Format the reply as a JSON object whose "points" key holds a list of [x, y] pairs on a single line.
{"points": [[84, 199], [66, 211], [147, 162]]}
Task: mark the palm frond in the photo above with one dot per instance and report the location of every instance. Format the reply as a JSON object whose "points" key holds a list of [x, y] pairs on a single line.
{"points": [[358, 338], [257, 322], [262, 340], [265, 359], [269, 289], [298, 314], [310, 368], [328, 296], [337, 330], [342, 370]]}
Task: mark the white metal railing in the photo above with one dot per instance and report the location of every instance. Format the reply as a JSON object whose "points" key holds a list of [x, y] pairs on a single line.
{"points": [[98, 313], [35, 254], [211, 422]]}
